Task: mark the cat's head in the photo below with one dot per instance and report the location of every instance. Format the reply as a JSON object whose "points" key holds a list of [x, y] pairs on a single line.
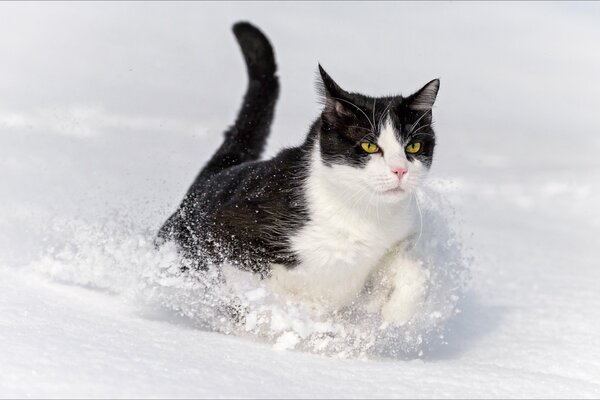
{"points": [[382, 147]]}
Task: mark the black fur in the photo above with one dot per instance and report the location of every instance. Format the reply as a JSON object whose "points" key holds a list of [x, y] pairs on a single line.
{"points": [[244, 211], [352, 118], [246, 139], [239, 209]]}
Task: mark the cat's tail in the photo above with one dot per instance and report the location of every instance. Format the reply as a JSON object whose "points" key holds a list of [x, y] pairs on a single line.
{"points": [[246, 139]]}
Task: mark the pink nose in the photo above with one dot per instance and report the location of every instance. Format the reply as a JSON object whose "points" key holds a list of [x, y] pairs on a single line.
{"points": [[399, 171]]}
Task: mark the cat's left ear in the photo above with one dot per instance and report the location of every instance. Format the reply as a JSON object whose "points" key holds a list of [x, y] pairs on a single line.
{"points": [[423, 99]]}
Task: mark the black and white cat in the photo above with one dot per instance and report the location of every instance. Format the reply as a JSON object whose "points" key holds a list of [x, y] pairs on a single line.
{"points": [[327, 219]]}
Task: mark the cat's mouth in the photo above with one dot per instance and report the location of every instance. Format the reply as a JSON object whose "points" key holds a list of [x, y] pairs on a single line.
{"points": [[396, 190]]}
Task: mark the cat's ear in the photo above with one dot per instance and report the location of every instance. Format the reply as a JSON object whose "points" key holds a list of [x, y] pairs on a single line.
{"points": [[332, 95], [423, 99], [328, 87]]}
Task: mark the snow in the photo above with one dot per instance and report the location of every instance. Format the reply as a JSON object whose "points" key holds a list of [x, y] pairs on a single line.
{"points": [[112, 108]]}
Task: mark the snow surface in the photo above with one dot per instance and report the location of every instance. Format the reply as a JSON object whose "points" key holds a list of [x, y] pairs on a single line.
{"points": [[108, 111]]}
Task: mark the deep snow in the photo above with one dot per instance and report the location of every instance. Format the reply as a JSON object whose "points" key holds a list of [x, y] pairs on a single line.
{"points": [[108, 111]]}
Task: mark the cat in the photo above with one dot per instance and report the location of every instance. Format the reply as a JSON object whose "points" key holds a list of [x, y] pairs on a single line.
{"points": [[318, 221]]}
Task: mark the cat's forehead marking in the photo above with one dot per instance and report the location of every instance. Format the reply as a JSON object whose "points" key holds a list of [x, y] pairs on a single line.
{"points": [[389, 138]]}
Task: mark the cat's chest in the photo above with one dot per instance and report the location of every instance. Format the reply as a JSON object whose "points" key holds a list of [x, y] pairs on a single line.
{"points": [[345, 239], [338, 251]]}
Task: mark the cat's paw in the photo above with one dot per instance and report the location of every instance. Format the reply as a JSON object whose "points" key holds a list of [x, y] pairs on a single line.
{"points": [[408, 295]]}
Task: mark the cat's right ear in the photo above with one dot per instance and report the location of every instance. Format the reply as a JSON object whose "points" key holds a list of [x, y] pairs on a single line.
{"points": [[332, 95], [328, 86]]}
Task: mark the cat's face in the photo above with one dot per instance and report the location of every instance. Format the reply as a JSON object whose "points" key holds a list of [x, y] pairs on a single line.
{"points": [[377, 149]]}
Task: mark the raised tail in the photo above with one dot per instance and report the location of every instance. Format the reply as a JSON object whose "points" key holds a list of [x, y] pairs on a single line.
{"points": [[246, 139]]}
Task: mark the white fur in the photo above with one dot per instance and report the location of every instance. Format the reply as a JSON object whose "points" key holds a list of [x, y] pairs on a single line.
{"points": [[398, 287], [356, 216], [409, 281]]}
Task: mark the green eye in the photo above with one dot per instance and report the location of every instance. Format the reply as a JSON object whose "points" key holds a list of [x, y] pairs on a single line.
{"points": [[369, 147], [413, 147]]}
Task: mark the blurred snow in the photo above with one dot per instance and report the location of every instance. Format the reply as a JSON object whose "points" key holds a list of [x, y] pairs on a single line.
{"points": [[109, 109]]}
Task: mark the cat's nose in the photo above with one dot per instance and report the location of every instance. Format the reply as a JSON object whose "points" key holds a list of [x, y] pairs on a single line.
{"points": [[399, 171]]}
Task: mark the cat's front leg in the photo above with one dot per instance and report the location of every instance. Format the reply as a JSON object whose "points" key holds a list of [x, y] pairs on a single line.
{"points": [[409, 280]]}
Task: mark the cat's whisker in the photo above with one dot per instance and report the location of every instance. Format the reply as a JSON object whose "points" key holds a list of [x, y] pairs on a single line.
{"points": [[354, 198], [414, 195], [377, 213], [365, 210], [374, 105], [418, 120], [385, 110], [364, 137], [359, 109], [363, 194], [420, 128]]}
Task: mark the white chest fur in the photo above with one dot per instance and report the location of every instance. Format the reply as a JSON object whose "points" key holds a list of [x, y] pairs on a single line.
{"points": [[339, 248]]}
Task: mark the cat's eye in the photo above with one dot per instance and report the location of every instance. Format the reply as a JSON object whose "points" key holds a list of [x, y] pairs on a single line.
{"points": [[413, 147], [369, 147]]}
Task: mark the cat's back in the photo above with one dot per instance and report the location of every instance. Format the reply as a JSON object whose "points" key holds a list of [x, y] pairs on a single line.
{"points": [[265, 181], [251, 209]]}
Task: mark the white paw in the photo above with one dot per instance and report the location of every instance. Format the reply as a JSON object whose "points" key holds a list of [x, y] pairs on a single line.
{"points": [[410, 289]]}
